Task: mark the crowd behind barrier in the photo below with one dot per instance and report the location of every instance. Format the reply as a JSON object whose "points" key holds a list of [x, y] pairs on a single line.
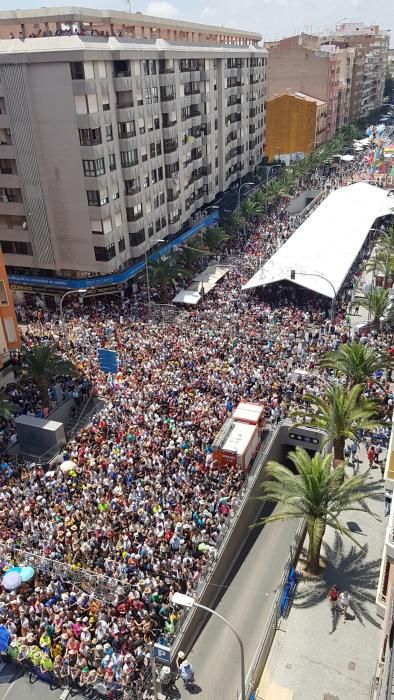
{"points": [[147, 504]]}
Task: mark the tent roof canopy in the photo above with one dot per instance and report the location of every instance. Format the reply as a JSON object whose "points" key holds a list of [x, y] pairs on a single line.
{"points": [[322, 250]]}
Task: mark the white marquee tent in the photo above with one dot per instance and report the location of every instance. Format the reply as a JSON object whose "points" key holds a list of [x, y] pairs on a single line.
{"points": [[328, 242]]}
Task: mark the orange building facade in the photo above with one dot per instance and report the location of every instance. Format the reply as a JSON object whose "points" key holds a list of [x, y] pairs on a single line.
{"points": [[295, 123]]}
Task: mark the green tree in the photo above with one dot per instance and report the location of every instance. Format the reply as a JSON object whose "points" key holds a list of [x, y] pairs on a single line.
{"points": [[382, 263], [233, 223], [356, 362], [250, 209], [44, 364], [377, 301], [186, 258], [7, 409], [340, 412], [213, 237], [163, 272], [316, 493]]}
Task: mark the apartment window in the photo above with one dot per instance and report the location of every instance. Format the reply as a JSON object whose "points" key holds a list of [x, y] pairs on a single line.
{"points": [[144, 154], [156, 201], [132, 186], [7, 247], [149, 67], [77, 71], [90, 137], [151, 230], [97, 198], [115, 195], [118, 219], [106, 107], [163, 221], [3, 294], [93, 197], [97, 226], [158, 225], [151, 95], [121, 69], [93, 168], [108, 133], [122, 245], [100, 253], [5, 166], [137, 238], [22, 248], [112, 161], [129, 158], [134, 213], [146, 181], [126, 129], [86, 104], [156, 122]]}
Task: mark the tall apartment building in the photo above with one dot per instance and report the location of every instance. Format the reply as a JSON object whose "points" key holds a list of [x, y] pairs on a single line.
{"points": [[109, 143], [299, 64], [390, 63], [374, 44]]}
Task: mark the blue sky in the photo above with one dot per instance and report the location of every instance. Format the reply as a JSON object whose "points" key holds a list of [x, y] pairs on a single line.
{"points": [[272, 18]]}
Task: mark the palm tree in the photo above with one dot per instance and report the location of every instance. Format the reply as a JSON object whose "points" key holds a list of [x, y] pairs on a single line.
{"points": [[258, 200], [233, 223], [340, 412], [213, 237], [186, 258], [163, 272], [43, 364], [356, 362], [250, 209], [316, 493], [7, 409], [382, 264], [377, 301]]}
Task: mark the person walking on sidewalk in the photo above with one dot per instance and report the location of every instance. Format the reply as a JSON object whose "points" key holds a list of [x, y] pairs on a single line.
{"points": [[343, 601], [333, 597], [371, 456]]}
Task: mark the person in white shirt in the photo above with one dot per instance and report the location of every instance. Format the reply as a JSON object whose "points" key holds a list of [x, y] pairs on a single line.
{"points": [[343, 601]]}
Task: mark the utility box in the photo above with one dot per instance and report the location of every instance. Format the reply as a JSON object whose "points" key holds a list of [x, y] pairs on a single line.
{"points": [[39, 435]]}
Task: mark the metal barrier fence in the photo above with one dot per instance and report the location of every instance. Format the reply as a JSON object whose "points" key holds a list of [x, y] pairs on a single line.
{"points": [[225, 534], [70, 678], [261, 656], [104, 588]]}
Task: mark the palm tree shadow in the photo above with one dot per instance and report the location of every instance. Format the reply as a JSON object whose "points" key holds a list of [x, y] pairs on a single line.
{"points": [[349, 571]]}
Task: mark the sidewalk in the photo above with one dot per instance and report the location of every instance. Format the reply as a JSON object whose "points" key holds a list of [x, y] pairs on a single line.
{"points": [[314, 655]]}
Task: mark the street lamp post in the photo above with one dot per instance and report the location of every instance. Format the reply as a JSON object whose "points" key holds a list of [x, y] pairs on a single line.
{"points": [[245, 184], [269, 168], [293, 274], [186, 601], [70, 291]]}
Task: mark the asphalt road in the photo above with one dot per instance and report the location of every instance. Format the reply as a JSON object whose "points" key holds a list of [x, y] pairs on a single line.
{"points": [[246, 603]]}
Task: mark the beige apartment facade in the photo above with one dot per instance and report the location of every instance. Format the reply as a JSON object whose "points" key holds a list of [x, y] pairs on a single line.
{"points": [[373, 43], [108, 144]]}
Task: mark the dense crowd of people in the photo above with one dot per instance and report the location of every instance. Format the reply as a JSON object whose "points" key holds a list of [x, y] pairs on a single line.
{"points": [[145, 503]]}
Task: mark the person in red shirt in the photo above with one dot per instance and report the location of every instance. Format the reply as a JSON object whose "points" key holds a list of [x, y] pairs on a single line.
{"points": [[371, 456]]}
